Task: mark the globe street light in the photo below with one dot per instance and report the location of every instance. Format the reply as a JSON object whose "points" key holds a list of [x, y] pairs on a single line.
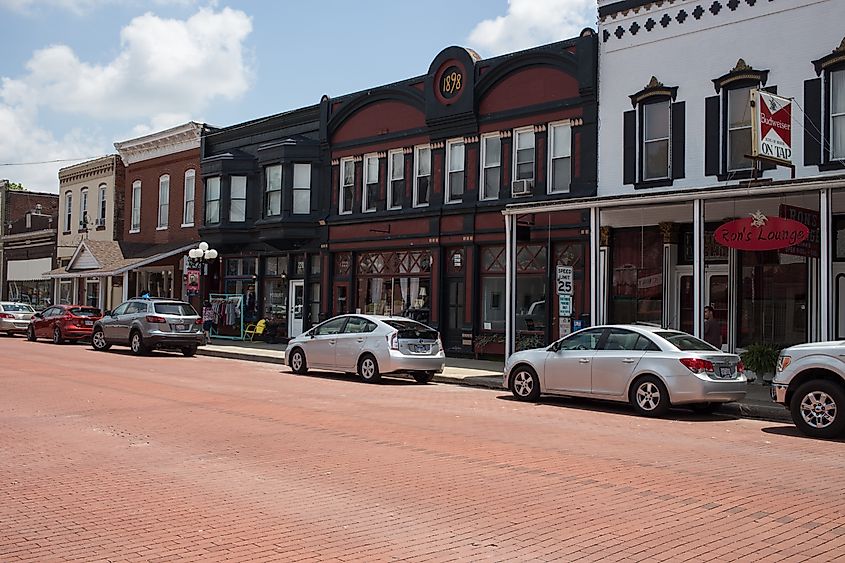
{"points": [[200, 256]]}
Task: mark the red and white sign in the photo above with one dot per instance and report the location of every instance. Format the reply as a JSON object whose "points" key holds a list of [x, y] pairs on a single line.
{"points": [[759, 232], [772, 127]]}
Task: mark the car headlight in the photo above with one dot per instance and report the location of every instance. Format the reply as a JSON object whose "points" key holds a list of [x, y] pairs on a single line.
{"points": [[783, 362]]}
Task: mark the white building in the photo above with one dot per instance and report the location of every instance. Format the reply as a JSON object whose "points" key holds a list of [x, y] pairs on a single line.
{"points": [[675, 126]]}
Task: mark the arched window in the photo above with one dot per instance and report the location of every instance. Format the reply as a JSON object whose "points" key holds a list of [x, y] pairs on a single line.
{"points": [[68, 211], [188, 203], [135, 225], [163, 201], [101, 206], [83, 208]]}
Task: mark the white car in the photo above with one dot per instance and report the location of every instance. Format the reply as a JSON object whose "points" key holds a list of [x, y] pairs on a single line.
{"points": [[14, 317], [370, 346]]}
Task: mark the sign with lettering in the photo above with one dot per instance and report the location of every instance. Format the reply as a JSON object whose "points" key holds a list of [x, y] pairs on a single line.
{"points": [[564, 305], [564, 326], [772, 127], [759, 232], [812, 219], [565, 275]]}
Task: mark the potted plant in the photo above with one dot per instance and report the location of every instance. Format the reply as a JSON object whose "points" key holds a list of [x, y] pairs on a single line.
{"points": [[762, 359]]}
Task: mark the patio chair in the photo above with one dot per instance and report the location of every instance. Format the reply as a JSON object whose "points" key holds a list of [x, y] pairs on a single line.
{"points": [[255, 329]]}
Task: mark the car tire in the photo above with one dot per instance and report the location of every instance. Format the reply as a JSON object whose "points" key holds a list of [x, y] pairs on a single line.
{"points": [[30, 334], [816, 409], [189, 351], [525, 385], [649, 396], [136, 343], [297, 362], [705, 408], [57, 336], [368, 369], [98, 340], [423, 377]]}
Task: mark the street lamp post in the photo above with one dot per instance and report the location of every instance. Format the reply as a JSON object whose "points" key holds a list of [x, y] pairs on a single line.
{"points": [[200, 257]]}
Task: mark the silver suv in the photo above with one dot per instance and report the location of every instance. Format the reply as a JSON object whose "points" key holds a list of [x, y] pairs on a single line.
{"points": [[810, 382], [147, 324]]}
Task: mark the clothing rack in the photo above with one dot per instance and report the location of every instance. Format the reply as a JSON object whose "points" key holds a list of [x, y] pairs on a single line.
{"points": [[228, 306]]}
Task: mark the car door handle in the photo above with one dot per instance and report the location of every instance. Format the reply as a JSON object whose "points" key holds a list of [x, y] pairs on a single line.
{"points": [[628, 361], [360, 340], [584, 360], [332, 342]]}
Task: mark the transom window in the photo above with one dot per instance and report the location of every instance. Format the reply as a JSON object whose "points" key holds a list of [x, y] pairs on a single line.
{"points": [[491, 166], [560, 161], [455, 163], [396, 172], [273, 190], [163, 200], [237, 199], [370, 195], [347, 186], [212, 200], [655, 151], [739, 128], [301, 188], [422, 176]]}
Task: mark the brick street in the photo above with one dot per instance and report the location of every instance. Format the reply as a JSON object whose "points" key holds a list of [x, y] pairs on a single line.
{"points": [[109, 457]]}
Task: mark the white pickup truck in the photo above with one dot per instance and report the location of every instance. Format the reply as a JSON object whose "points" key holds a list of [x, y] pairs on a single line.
{"points": [[810, 382]]}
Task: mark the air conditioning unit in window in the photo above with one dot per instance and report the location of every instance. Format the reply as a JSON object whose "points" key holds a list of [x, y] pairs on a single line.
{"points": [[101, 222], [522, 188]]}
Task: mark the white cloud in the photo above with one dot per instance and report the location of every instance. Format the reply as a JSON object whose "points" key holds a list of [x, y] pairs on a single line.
{"points": [[532, 22], [78, 7], [167, 72]]}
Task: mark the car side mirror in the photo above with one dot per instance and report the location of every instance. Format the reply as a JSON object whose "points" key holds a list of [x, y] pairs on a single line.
{"points": [[38, 316], [312, 335], [106, 313]]}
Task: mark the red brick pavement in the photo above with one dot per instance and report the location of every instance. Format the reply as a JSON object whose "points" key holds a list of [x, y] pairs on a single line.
{"points": [[107, 457]]}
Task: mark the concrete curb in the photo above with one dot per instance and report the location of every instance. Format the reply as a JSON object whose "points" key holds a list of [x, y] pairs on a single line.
{"points": [[754, 410]]}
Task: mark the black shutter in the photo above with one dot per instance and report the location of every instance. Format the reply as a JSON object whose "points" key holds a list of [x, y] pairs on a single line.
{"points": [[812, 122], [678, 139], [629, 154], [712, 107]]}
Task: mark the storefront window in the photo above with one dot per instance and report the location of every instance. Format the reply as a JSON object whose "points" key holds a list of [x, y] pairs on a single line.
{"points": [[276, 266], [315, 303], [315, 264], [386, 288], [493, 303], [66, 292], [36, 292], [92, 292], [637, 293]]}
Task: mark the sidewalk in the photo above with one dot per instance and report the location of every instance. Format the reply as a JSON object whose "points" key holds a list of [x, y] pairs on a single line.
{"points": [[486, 374]]}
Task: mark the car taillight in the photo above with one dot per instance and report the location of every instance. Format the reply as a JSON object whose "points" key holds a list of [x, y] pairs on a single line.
{"points": [[155, 319], [783, 362], [6, 316], [198, 322], [393, 338], [740, 367], [697, 365]]}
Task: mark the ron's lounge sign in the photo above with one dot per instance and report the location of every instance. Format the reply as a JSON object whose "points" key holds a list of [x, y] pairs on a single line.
{"points": [[759, 232]]}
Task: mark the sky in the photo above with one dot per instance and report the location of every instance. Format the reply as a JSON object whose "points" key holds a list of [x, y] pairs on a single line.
{"points": [[76, 76]]}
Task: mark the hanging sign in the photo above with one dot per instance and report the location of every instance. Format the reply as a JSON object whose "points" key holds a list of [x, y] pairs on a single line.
{"points": [[812, 219], [759, 232], [565, 276], [772, 127], [193, 281]]}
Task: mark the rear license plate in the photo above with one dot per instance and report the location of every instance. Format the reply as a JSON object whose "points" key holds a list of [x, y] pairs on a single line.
{"points": [[181, 328], [89, 323], [725, 372], [420, 348]]}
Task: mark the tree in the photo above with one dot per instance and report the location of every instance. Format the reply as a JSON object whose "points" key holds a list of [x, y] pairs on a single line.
{"points": [[15, 186]]}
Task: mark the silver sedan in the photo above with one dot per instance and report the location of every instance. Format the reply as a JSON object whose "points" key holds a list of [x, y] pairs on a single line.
{"points": [[650, 368], [370, 346]]}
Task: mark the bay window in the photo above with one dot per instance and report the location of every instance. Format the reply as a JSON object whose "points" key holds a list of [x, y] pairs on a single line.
{"points": [[237, 199], [212, 200], [301, 189], [273, 190]]}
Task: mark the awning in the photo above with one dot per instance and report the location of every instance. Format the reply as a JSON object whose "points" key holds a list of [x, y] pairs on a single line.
{"points": [[119, 268]]}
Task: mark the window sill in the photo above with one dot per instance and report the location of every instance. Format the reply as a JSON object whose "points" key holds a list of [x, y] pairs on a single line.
{"points": [[395, 208], [661, 183], [186, 225], [65, 232], [134, 231], [561, 192], [454, 201], [833, 165], [737, 175], [344, 213], [101, 227], [421, 206], [162, 228], [368, 211]]}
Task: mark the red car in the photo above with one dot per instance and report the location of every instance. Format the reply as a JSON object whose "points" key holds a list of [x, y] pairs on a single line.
{"points": [[63, 322]]}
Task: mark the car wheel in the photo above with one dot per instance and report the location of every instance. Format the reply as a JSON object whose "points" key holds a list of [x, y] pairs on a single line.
{"points": [[368, 369], [98, 341], [57, 336], [423, 376], [815, 409], [30, 334], [297, 362], [705, 408], [525, 385], [189, 351], [136, 344], [649, 396]]}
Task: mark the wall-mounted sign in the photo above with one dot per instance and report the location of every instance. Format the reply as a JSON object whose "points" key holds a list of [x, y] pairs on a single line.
{"points": [[564, 308], [759, 232], [564, 326], [565, 275], [772, 127], [451, 82], [812, 219]]}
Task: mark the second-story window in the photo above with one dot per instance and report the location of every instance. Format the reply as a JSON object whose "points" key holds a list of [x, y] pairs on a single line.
{"points": [[370, 195], [523, 162], [212, 200], [301, 188], [396, 178], [739, 128], [163, 201], [560, 157], [135, 224], [347, 186], [491, 166], [655, 135], [68, 211], [455, 165], [422, 176], [101, 206], [837, 114], [273, 191], [190, 195], [83, 208], [237, 199]]}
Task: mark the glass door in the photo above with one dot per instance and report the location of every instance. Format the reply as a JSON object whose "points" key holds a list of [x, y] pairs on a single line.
{"points": [[296, 311]]}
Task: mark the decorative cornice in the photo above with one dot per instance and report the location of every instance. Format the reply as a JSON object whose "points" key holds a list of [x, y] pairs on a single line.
{"points": [[742, 71], [170, 141], [335, 162], [505, 134], [470, 139], [381, 154], [85, 170], [654, 89], [835, 57], [540, 128], [407, 150], [437, 145]]}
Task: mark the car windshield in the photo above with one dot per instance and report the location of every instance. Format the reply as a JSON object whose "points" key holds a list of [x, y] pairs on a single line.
{"points": [[181, 309], [18, 307], [412, 329], [84, 311], [686, 342]]}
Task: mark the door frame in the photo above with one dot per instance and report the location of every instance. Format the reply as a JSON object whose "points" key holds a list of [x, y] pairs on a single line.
{"points": [[292, 305], [710, 271]]}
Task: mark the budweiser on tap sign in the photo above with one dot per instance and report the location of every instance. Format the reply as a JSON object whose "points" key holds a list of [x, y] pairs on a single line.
{"points": [[772, 127]]}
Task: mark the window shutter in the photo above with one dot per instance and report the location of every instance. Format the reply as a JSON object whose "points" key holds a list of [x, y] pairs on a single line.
{"points": [[678, 139], [812, 121], [712, 107], [629, 159]]}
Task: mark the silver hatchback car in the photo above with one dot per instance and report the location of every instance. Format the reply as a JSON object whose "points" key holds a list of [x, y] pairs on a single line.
{"points": [[649, 367], [146, 324], [369, 345]]}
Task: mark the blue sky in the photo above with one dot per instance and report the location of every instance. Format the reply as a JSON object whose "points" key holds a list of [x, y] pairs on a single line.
{"points": [[78, 75]]}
